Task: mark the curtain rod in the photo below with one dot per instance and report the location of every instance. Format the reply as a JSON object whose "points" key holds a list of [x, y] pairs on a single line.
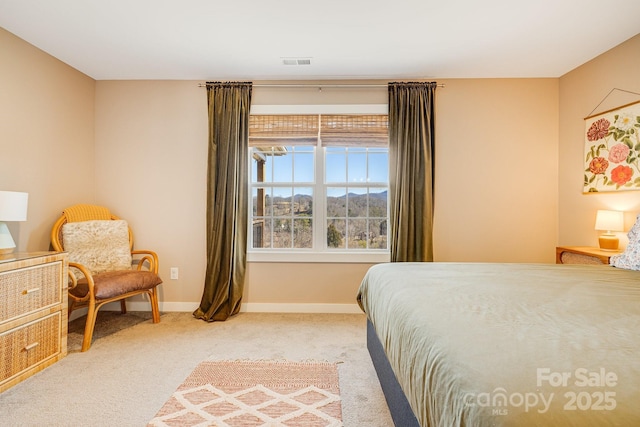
{"points": [[321, 85]]}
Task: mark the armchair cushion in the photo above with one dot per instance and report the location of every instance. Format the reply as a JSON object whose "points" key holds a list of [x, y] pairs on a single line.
{"points": [[114, 283], [99, 245]]}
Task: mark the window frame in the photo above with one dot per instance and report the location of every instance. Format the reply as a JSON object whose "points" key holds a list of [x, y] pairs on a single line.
{"points": [[315, 255]]}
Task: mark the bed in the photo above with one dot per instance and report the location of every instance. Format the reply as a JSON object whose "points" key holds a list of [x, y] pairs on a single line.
{"points": [[480, 344]]}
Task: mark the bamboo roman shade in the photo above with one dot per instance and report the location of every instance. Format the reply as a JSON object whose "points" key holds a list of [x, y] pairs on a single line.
{"points": [[350, 130], [272, 130], [370, 130]]}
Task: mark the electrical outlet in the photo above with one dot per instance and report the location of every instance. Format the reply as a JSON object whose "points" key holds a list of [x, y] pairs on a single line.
{"points": [[174, 273]]}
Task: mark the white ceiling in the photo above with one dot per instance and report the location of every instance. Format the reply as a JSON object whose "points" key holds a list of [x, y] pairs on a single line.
{"points": [[345, 39]]}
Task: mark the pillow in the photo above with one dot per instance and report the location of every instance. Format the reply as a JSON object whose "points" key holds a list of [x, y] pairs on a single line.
{"points": [[630, 258], [98, 245]]}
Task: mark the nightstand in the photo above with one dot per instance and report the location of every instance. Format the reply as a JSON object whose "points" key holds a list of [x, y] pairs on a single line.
{"points": [[583, 255]]}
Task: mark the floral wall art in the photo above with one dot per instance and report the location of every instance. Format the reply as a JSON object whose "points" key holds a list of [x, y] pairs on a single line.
{"points": [[612, 150]]}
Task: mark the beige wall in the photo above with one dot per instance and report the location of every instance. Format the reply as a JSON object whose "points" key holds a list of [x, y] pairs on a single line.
{"points": [[46, 136], [496, 170], [581, 91], [151, 145], [151, 151]]}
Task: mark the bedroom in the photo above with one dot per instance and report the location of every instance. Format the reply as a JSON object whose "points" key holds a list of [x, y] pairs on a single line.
{"points": [[96, 121], [157, 128]]}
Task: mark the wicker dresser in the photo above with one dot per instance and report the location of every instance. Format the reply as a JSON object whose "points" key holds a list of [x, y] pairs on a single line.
{"points": [[33, 314]]}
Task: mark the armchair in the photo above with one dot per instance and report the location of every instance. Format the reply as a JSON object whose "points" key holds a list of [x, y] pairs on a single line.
{"points": [[103, 267]]}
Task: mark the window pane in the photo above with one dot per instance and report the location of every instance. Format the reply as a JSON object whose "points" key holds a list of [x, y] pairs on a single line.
{"points": [[336, 202], [378, 203], [336, 166], [268, 167], [378, 234], [261, 201], [260, 165], [268, 201], [282, 201], [283, 167], [302, 233], [357, 166], [303, 167], [378, 167], [334, 149], [336, 231], [261, 233], [358, 235], [281, 233], [303, 201], [357, 202]]}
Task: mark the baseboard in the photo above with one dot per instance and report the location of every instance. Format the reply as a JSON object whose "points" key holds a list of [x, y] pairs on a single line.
{"points": [[257, 307], [250, 307], [141, 306]]}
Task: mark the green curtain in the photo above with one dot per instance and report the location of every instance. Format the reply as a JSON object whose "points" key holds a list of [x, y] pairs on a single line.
{"points": [[411, 171], [227, 198]]}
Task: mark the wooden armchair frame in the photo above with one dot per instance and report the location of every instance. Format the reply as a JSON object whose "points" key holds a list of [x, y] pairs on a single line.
{"points": [[143, 258]]}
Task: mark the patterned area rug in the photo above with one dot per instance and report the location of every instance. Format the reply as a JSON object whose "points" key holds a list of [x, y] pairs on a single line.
{"points": [[255, 393]]}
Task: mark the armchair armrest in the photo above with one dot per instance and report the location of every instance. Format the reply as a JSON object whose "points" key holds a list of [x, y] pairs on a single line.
{"points": [[74, 281], [148, 257]]}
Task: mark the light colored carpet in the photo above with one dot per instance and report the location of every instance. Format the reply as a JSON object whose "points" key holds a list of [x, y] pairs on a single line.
{"points": [[134, 366]]}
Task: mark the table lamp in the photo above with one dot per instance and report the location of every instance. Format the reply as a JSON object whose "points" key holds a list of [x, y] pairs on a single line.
{"points": [[13, 207], [609, 221]]}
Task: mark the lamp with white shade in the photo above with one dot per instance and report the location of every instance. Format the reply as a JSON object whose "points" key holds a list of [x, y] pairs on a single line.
{"points": [[609, 221], [13, 207]]}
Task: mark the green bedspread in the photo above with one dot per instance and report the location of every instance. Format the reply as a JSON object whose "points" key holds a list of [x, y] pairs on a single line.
{"points": [[476, 344]]}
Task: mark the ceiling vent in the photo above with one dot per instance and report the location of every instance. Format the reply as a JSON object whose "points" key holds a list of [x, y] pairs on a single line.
{"points": [[296, 61]]}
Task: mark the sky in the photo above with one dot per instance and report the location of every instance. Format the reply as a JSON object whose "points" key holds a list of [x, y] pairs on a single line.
{"points": [[345, 166]]}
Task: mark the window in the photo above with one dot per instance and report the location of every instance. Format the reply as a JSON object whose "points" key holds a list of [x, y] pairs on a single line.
{"points": [[319, 183], [356, 197]]}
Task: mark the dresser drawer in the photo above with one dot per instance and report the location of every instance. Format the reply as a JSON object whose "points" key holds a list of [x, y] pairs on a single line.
{"points": [[571, 258], [29, 289], [24, 347]]}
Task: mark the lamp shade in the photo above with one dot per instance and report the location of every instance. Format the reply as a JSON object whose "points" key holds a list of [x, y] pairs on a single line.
{"points": [[609, 220], [13, 206]]}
